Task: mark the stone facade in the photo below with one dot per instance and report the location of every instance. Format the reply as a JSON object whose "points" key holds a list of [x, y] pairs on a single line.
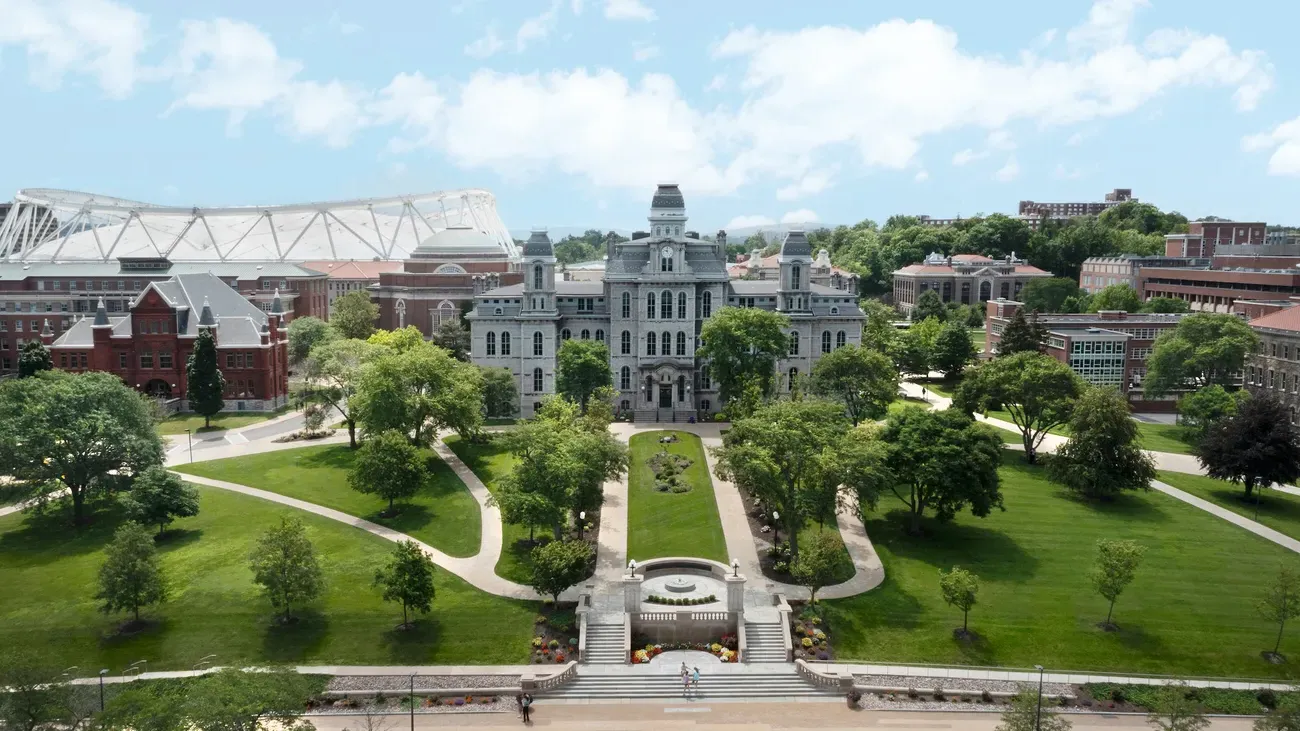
{"points": [[1274, 367], [657, 291], [967, 279]]}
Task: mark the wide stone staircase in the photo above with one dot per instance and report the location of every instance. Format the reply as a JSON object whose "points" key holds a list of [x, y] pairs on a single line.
{"points": [[764, 642], [644, 683], [605, 645]]}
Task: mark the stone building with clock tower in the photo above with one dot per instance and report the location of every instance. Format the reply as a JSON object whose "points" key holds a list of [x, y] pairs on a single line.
{"points": [[657, 291]]}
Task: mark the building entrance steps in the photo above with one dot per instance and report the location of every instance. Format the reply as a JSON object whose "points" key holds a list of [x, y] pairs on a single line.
{"points": [[604, 645], [764, 642], [716, 682]]}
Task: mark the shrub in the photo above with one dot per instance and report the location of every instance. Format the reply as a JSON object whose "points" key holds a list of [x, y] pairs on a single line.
{"points": [[1267, 698], [781, 567], [823, 656], [553, 644], [986, 697], [938, 694], [807, 642], [1117, 694], [559, 657], [819, 635], [854, 696], [539, 619], [573, 642], [911, 693], [538, 641]]}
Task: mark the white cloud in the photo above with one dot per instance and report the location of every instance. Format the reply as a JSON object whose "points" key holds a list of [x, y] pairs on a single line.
{"points": [[921, 176], [341, 26], [486, 46], [644, 52], [330, 111], [717, 82], [1076, 139], [628, 10], [803, 215], [576, 6], [97, 38], [1284, 142], [1000, 139], [1107, 25], [967, 156], [1063, 173], [1008, 172], [537, 28], [397, 169], [810, 184], [413, 103], [749, 222]]}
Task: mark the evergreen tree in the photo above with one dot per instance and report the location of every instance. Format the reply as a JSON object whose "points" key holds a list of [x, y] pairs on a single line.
{"points": [[1022, 335], [34, 358], [131, 576], [1102, 456], [204, 383], [452, 336]]}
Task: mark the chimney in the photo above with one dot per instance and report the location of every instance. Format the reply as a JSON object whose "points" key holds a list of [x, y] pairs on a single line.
{"points": [[755, 259], [266, 332], [277, 311]]}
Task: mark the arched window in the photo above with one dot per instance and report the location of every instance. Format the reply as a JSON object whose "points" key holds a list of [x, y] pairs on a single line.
{"points": [[625, 343], [791, 378], [586, 335], [666, 263], [839, 339], [538, 385], [537, 276], [650, 306], [985, 291], [681, 305], [565, 334], [705, 382], [666, 305], [835, 310], [708, 303], [491, 343], [795, 276], [600, 336], [401, 314], [505, 343], [624, 405], [794, 343], [650, 343], [446, 312], [681, 343], [537, 343], [667, 343], [625, 378], [627, 305], [681, 388], [826, 341]]}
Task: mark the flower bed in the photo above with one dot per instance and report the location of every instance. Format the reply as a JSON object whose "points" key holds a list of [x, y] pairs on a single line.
{"points": [[555, 638], [668, 469], [724, 649], [811, 635], [680, 601]]}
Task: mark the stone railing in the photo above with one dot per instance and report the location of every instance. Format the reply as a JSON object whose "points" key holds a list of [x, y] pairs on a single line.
{"points": [[584, 607], [826, 679], [627, 639], [787, 642], [550, 682]]}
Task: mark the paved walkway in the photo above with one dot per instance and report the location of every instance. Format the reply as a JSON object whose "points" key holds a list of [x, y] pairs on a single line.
{"points": [[1031, 676]]}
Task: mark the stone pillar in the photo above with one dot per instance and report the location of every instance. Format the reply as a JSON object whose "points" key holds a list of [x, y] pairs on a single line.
{"points": [[632, 593], [735, 593]]}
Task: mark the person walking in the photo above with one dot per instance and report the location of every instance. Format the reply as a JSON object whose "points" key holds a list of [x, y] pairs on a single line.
{"points": [[695, 681], [686, 681], [528, 708]]}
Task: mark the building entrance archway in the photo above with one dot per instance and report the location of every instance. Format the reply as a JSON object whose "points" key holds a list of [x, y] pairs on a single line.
{"points": [[158, 388]]}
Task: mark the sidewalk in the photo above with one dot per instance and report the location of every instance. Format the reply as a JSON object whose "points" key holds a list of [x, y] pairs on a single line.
{"points": [[1031, 676]]}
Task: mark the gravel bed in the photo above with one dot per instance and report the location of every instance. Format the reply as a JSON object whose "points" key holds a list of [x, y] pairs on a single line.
{"points": [[502, 704], [390, 683], [924, 684], [873, 702]]}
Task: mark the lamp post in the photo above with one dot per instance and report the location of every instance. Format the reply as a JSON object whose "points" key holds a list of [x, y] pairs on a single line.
{"points": [[189, 437], [631, 566], [102, 673], [776, 526], [582, 523], [412, 701], [1038, 713], [735, 567]]}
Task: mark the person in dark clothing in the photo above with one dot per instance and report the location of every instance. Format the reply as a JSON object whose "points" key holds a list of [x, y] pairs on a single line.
{"points": [[527, 706]]}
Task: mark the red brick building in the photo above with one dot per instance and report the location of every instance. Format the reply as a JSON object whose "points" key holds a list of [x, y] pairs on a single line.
{"points": [[1204, 237], [149, 346]]}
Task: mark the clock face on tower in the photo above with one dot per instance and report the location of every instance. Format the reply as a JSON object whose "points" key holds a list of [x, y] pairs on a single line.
{"points": [[666, 252]]}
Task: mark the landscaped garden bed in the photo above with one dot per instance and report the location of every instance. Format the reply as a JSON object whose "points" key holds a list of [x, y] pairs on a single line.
{"points": [[680, 601], [810, 634], [724, 648], [672, 510], [555, 635], [774, 547]]}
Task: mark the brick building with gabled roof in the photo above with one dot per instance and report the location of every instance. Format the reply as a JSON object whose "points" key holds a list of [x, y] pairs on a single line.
{"points": [[148, 348]]}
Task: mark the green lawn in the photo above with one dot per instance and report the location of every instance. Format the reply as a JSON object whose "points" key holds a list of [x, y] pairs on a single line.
{"points": [[491, 463], [844, 566], [178, 423], [214, 608], [1163, 438], [898, 405], [443, 514], [1277, 510], [943, 388], [1189, 611], [667, 523]]}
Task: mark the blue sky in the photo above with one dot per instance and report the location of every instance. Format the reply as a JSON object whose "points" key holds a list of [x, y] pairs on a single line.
{"points": [[571, 111]]}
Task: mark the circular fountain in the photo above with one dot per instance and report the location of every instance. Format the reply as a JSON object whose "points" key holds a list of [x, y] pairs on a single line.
{"points": [[679, 585]]}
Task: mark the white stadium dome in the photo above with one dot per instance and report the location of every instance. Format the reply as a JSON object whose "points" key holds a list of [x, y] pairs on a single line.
{"points": [[66, 226]]}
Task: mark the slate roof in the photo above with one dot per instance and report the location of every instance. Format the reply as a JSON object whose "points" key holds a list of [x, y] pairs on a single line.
{"points": [[1286, 319], [668, 195], [353, 269], [563, 288], [538, 244], [796, 244]]}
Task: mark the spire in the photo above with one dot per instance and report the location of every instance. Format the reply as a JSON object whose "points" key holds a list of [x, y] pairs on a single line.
{"points": [[266, 327], [276, 307], [101, 314], [205, 316], [46, 330]]}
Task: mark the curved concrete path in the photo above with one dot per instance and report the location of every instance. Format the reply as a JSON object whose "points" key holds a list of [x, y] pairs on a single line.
{"points": [[1164, 460]]}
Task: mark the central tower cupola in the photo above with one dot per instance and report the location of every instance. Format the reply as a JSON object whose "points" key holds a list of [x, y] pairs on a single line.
{"points": [[667, 212]]}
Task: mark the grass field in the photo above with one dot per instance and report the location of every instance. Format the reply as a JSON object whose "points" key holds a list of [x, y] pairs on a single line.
{"points": [[178, 423], [491, 463], [1163, 438], [214, 608], [443, 514], [666, 523], [1277, 510], [1189, 611], [899, 404]]}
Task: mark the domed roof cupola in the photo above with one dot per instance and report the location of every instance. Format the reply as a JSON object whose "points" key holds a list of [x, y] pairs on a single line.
{"points": [[538, 244]]}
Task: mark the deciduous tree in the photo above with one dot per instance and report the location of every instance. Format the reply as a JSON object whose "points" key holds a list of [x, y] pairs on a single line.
{"points": [[77, 430], [399, 340], [1205, 406], [419, 392], [1166, 304], [878, 327], [500, 393], [953, 350], [1203, 349], [389, 466], [1036, 390], [559, 565], [205, 386], [408, 580], [1285, 717], [34, 358], [913, 349], [943, 461], [741, 345], [354, 315], [929, 305], [959, 588], [35, 694], [1048, 294], [862, 378], [333, 374], [1281, 602], [306, 333], [284, 564], [819, 562], [1117, 563], [1121, 297], [131, 576], [1257, 446], [1102, 457], [158, 497], [581, 367], [1027, 713]]}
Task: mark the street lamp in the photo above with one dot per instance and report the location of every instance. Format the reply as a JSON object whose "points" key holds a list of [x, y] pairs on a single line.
{"points": [[189, 437], [412, 701], [1038, 714], [582, 523], [735, 567], [631, 566], [776, 526], [102, 673]]}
